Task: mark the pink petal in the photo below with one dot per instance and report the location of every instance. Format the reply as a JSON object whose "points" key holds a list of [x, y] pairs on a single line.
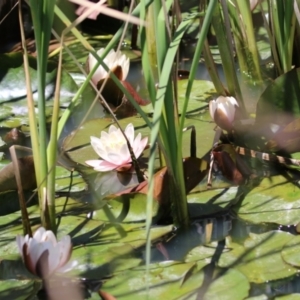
{"points": [[101, 165], [129, 132], [65, 249], [39, 233], [140, 147]]}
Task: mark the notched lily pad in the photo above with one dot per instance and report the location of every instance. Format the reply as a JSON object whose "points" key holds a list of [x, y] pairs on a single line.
{"points": [[127, 208], [259, 257], [291, 252], [13, 88], [275, 200], [202, 92]]}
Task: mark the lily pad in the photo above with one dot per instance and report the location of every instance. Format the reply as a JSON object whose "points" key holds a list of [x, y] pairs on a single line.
{"points": [[259, 257], [288, 297], [18, 289], [67, 181], [126, 208], [14, 91], [232, 285], [275, 200], [165, 280], [209, 202], [202, 92], [291, 250]]}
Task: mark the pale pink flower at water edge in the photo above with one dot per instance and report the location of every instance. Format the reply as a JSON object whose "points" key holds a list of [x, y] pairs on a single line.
{"points": [[222, 111], [112, 60], [112, 148], [43, 254]]}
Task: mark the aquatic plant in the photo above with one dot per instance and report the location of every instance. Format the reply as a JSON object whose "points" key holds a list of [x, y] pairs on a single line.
{"points": [[43, 254], [112, 147], [222, 111], [113, 60]]}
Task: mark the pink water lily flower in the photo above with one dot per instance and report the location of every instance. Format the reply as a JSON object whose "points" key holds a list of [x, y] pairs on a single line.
{"points": [[43, 254], [112, 148], [222, 110], [112, 60]]}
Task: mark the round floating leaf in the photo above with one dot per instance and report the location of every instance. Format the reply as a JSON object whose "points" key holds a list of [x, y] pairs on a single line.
{"points": [[101, 250], [165, 281], [260, 297], [232, 285], [127, 208], [202, 92], [19, 289], [291, 252], [13, 89], [259, 257], [275, 200], [288, 297], [67, 181], [209, 202]]}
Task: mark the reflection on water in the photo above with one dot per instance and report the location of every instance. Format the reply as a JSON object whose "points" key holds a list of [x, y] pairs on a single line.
{"points": [[106, 183]]}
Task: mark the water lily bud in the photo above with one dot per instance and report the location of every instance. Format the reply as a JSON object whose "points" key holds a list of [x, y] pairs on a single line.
{"points": [[222, 111], [116, 62], [43, 254], [253, 4], [112, 148]]}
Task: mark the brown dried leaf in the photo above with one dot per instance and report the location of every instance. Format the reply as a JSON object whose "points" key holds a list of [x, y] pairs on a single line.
{"points": [[231, 164], [194, 168], [27, 173]]}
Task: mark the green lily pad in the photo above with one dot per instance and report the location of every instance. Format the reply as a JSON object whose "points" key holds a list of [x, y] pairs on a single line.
{"points": [[275, 200], [209, 202], [66, 181], [14, 91], [172, 280], [202, 92], [260, 297], [165, 280], [290, 252], [18, 289], [232, 285], [101, 250], [259, 257], [288, 297], [127, 208], [78, 148]]}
